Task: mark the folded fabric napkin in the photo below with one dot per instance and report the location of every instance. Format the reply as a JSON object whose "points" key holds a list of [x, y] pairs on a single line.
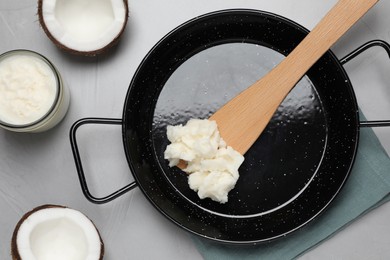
{"points": [[367, 187]]}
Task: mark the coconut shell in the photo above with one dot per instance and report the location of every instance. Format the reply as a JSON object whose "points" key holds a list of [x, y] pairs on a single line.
{"points": [[14, 248], [77, 52]]}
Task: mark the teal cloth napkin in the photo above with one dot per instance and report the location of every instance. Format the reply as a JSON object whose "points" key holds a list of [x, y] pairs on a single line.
{"points": [[367, 187]]}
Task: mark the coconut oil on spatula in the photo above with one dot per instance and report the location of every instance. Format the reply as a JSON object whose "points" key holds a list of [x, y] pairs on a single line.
{"points": [[242, 119]]}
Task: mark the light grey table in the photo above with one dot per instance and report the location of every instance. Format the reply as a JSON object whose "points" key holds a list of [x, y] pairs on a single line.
{"points": [[38, 168]]}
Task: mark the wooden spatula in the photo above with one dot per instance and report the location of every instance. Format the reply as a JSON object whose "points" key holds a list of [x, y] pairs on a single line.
{"points": [[242, 119]]}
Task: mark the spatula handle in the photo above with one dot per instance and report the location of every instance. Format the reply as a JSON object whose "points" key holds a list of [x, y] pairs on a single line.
{"points": [[334, 25], [241, 120]]}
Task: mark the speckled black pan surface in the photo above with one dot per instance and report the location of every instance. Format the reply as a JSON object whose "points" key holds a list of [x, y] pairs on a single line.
{"points": [[295, 168]]}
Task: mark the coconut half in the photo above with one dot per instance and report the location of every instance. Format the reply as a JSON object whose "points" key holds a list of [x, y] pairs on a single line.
{"points": [[85, 27], [56, 232]]}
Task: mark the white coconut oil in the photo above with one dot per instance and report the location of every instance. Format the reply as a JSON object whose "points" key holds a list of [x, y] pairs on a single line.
{"points": [[33, 97], [211, 164]]}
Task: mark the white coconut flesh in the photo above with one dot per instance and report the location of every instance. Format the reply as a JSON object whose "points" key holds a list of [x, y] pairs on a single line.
{"points": [[58, 233], [84, 25]]}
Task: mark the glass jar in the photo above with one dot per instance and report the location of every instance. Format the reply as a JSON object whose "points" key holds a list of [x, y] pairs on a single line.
{"points": [[33, 97]]}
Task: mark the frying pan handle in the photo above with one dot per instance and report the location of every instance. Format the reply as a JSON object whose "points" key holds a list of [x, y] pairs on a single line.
{"points": [[79, 165], [353, 54]]}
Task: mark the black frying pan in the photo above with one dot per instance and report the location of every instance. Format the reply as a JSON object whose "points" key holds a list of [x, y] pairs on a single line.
{"points": [[296, 167]]}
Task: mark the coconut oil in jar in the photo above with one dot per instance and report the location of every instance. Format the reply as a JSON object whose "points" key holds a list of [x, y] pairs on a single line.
{"points": [[33, 97]]}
